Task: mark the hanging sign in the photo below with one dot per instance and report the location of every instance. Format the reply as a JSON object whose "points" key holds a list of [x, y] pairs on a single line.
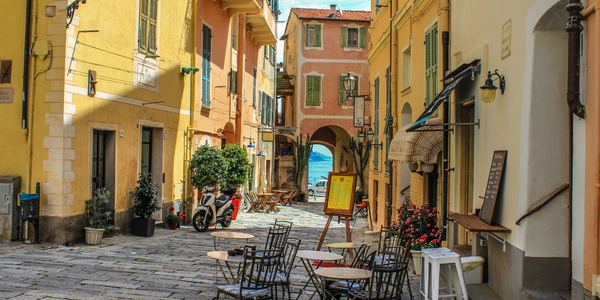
{"points": [[359, 112], [339, 198], [493, 186]]}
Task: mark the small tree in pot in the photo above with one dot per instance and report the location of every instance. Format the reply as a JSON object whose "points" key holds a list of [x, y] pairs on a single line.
{"points": [[97, 216], [144, 205], [238, 167], [208, 167]]}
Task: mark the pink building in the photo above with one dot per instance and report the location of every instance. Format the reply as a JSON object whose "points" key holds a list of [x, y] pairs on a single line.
{"points": [[321, 47]]}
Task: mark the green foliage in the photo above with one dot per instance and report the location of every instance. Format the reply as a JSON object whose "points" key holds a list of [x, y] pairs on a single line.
{"points": [[173, 219], [238, 167], [95, 210], [361, 160], [145, 197], [303, 151], [208, 167]]}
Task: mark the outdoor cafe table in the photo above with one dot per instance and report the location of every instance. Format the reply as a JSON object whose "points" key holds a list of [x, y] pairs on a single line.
{"points": [[306, 256], [263, 198], [279, 195], [348, 274], [223, 256], [344, 247], [218, 235]]}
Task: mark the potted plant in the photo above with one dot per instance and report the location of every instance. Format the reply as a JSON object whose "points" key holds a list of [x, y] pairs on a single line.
{"points": [[422, 232], [208, 167], [145, 203], [97, 216], [237, 169], [174, 221]]}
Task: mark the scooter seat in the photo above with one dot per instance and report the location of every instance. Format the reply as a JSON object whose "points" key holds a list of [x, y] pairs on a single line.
{"points": [[220, 202]]}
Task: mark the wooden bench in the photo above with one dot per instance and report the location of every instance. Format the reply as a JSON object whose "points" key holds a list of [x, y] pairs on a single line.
{"points": [[473, 223]]}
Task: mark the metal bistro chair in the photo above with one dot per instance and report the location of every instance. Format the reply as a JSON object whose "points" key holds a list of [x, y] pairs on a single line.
{"points": [[258, 277], [386, 283], [288, 256], [283, 224], [362, 260], [277, 237], [393, 249]]}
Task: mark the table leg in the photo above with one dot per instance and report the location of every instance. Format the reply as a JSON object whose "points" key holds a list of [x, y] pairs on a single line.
{"points": [[311, 279], [223, 271]]}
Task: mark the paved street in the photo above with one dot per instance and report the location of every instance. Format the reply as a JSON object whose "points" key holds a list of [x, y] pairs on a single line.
{"points": [[170, 265]]}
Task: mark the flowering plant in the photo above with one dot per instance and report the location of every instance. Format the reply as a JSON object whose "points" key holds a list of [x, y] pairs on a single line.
{"points": [[182, 216], [236, 197], [405, 212], [423, 231]]}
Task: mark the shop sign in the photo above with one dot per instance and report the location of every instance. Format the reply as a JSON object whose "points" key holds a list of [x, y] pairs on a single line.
{"points": [[6, 95], [359, 112], [267, 136], [506, 32]]}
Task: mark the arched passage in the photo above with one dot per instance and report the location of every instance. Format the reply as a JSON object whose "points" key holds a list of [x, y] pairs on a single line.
{"points": [[405, 174]]}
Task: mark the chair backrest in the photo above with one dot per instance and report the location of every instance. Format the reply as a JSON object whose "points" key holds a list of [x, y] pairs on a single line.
{"points": [[386, 282], [288, 256], [283, 224], [391, 241], [277, 237], [359, 256], [261, 268]]}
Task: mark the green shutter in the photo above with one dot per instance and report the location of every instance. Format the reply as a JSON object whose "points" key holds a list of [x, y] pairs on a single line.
{"points": [[375, 123], [344, 37], [431, 60], [309, 91], [427, 67], [434, 61], [356, 85], [317, 42], [143, 27], [363, 38], [317, 90], [306, 40], [342, 91]]}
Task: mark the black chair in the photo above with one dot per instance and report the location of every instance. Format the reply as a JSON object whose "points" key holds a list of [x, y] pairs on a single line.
{"points": [[288, 256], [362, 260], [283, 224], [260, 264], [277, 237], [391, 245], [386, 283]]}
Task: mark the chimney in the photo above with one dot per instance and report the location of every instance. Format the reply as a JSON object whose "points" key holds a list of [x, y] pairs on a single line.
{"points": [[333, 10]]}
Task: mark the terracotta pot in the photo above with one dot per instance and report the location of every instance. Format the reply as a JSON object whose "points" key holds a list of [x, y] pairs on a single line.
{"points": [[173, 226]]}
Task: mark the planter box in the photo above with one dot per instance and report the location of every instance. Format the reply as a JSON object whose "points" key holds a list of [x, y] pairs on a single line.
{"points": [[93, 236], [417, 261], [142, 227]]}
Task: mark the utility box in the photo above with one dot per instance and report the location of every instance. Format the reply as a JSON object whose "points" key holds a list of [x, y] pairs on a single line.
{"points": [[10, 186]]}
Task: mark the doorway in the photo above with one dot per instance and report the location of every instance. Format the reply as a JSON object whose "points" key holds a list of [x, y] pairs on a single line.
{"points": [[466, 114], [103, 166], [151, 160]]}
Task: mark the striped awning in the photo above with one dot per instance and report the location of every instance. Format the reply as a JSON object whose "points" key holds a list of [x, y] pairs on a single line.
{"points": [[414, 146]]}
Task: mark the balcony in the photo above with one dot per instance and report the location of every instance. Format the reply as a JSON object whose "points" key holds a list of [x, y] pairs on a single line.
{"points": [[241, 6], [263, 26]]}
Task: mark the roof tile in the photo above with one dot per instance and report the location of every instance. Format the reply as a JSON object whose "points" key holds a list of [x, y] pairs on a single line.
{"points": [[310, 13]]}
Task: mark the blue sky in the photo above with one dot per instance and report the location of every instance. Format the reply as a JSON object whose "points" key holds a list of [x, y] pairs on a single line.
{"points": [[286, 5]]}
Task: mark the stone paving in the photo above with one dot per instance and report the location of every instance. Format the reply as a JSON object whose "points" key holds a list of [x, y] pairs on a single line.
{"points": [[172, 264]]}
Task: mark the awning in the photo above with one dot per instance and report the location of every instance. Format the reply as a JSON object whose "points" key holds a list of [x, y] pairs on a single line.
{"points": [[416, 146], [451, 80]]}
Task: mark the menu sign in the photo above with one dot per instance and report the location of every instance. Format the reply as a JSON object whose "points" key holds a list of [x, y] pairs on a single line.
{"points": [[493, 185], [339, 199]]}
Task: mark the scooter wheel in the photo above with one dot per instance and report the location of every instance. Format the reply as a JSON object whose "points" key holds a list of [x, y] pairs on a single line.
{"points": [[227, 222], [198, 221]]}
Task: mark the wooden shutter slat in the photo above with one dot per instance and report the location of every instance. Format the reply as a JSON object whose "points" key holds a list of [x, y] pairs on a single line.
{"points": [[317, 35], [344, 36], [342, 90], [317, 91], [363, 37], [309, 91]]}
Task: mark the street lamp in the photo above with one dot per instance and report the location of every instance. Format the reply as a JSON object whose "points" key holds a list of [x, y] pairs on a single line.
{"points": [[361, 137], [370, 135], [349, 83], [488, 90]]}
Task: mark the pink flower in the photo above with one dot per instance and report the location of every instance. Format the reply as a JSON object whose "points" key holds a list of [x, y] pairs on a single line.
{"points": [[430, 215], [428, 225], [435, 209], [427, 210]]}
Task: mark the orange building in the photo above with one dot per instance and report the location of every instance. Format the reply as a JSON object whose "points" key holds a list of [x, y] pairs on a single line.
{"points": [[321, 47]]}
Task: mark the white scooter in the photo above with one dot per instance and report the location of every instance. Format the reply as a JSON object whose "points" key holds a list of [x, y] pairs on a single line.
{"points": [[204, 214]]}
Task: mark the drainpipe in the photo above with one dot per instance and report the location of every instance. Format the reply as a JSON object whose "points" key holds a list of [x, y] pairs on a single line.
{"points": [[393, 62], [187, 188], [574, 29], [444, 26], [26, 69], [28, 133]]}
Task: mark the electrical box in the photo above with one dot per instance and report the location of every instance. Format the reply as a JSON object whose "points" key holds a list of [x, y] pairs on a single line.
{"points": [[10, 186]]}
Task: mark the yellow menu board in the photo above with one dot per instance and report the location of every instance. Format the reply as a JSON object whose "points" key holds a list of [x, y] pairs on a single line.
{"points": [[339, 199]]}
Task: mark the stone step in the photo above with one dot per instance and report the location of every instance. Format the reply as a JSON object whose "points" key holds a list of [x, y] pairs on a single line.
{"points": [[546, 295]]}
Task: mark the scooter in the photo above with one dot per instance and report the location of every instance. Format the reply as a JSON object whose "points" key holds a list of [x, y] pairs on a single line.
{"points": [[204, 214]]}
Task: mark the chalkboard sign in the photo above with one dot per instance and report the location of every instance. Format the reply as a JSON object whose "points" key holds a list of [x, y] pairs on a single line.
{"points": [[493, 185], [339, 199]]}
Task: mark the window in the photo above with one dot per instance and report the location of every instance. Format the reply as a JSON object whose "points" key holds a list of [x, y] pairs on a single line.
{"points": [[376, 127], [280, 111], [261, 99], [342, 89], [234, 31], [313, 35], [313, 90], [269, 55], [254, 88], [431, 64], [406, 68], [388, 115], [267, 108], [233, 81], [353, 37], [147, 26], [206, 65]]}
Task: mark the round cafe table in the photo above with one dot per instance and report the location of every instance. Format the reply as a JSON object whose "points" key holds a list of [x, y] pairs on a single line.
{"points": [[228, 259], [344, 246], [306, 256], [348, 274], [218, 235]]}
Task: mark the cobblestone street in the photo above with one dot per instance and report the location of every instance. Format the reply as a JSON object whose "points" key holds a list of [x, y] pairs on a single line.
{"points": [[170, 265]]}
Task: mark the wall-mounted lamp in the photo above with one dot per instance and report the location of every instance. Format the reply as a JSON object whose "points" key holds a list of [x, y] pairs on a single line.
{"points": [[349, 85], [488, 90], [427, 168], [413, 167], [251, 145]]}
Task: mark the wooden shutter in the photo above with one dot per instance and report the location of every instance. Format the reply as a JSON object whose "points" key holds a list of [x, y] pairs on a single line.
{"points": [[362, 37], [5, 71], [152, 25], [206, 64], [376, 126], [306, 40], [262, 104], [254, 88], [356, 85], [434, 61], [317, 90], [344, 36], [431, 64], [342, 91], [143, 26], [309, 90], [427, 67], [317, 42]]}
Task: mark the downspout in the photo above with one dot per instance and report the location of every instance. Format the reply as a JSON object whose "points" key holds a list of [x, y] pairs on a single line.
{"points": [[444, 21], [187, 188], [29, 132], [574, 29], [392, 113], [26, 70]]}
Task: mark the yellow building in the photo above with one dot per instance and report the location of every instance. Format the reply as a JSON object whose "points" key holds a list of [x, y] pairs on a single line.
{"points": [[405, 78], [109, 92]]}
